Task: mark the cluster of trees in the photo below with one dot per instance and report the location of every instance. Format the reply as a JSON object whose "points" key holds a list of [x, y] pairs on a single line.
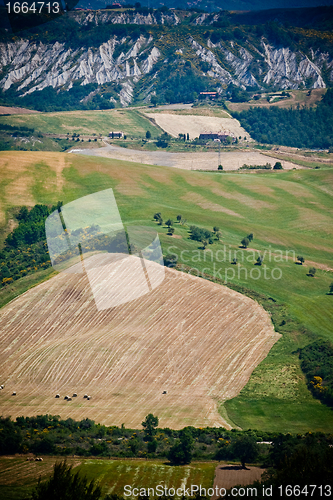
{"points": [[246, 241], [317, 364], [205, 236], [25, 249], [299, 466], [169, 222], [300, 127]]}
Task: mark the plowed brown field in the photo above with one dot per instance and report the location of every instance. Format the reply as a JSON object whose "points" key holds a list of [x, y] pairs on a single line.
{"points": [[197, 340]]}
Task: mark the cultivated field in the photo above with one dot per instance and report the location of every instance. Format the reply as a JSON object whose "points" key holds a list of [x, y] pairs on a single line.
{"points": [[187, 161], [7, 110], [18, 477], [194, 125], [55, 341], [228, 476]]}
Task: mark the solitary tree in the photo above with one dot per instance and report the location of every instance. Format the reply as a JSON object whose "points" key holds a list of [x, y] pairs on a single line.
{"points": [[148, 134], [312, 271], [245, 242], [188, 136], [169, 223], [300, 259], [250, 236], [157, 216], [179, 218], [246, 449], [331, 288], [149, 424], [234, 261], [160, 221], [64, 484], [154, 100], [220, 167], [277, 166], [171, 230], [259, 260]]}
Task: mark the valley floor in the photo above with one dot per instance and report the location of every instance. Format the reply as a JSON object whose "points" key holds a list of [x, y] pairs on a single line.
{"points": [[186, 161]]}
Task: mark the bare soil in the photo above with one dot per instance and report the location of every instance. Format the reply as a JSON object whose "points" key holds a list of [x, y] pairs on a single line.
{"points": [[187, 161], [228, 476]]}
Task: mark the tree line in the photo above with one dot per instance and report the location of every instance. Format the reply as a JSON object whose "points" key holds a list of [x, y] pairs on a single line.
{"points": [[290, 460], [25, 249]]}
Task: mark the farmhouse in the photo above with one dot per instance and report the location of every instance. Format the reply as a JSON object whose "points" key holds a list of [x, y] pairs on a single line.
{"points": [[116, 135], [209, 95], [214, 135]]}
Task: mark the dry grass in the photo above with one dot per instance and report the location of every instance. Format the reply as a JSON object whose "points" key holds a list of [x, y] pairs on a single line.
{"points": [[18, 169], [194, 125], [55, 341], [8, 110], [189, 161], [199, 111]]}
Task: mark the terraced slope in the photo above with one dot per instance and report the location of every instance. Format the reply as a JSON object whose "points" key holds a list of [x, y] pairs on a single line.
{"points": [[194, 339]]}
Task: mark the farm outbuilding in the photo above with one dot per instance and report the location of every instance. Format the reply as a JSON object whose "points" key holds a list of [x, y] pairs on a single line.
{"points": [[206, 136], [116, 135]]}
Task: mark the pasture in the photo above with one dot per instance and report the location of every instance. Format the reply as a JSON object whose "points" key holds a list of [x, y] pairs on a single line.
{"points": [[18, 477], [286, 211], [131, 122]]}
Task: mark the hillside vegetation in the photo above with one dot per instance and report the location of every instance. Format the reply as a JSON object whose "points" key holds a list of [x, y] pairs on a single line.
{"points": [[147, 55], [300, 128]]}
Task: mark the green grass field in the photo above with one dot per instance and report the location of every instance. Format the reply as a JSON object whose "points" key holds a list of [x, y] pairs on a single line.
{"points": [[131, 122], [289, 213], [18, 477]]}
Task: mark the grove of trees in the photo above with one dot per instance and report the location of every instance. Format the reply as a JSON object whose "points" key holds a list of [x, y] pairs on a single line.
{"points": [[298, 127]]}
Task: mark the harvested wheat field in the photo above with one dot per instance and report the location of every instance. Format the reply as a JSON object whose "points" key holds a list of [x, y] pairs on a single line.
{"points": [[197, 340], [194, 125]]}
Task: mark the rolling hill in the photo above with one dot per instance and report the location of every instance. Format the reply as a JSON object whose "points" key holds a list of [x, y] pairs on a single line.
{"points": [[286, 211]]}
